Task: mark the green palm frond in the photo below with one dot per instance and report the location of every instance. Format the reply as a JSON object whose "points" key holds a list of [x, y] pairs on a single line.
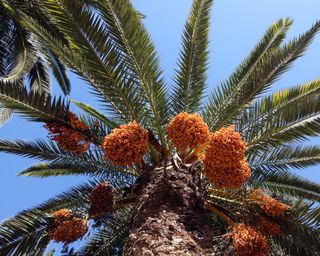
{"points": [[77, 167], [269, 107], [37, 107], [77, 197], [304, 238], [6, 36], [44, 170], [110, 238], [17, 54], [39, 78], [91, 163], [138, 51], [284, 158], [307, 213], [39, 149], [24, 234], [99, 67], [288, 184], [229, 100], [191, 75], [236, 197], [94, 113], [293, 124], [301, 241], [224, 98]]}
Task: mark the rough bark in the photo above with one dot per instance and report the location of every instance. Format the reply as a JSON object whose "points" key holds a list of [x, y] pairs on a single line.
{"points": [[169, 217]]}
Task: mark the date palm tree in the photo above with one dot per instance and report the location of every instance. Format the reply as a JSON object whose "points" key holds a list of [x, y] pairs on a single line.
{"points": [[164, 204]]}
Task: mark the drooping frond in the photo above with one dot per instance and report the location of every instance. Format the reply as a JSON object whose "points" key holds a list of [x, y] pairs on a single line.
{"points": [[307, 213], [24, 234], [16, 49], [82, 166], [6, 36], [39, 78], [90, 52], [191, 75], [256, 74], [5, 114], [110, 238], [301, 241], [60, 73]]}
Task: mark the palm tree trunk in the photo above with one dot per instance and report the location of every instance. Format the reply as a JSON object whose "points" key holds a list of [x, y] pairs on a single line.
{"points": [[169, 217]]}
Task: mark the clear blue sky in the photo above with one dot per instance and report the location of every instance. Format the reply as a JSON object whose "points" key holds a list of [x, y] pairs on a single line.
{"points": [[235, 28]]}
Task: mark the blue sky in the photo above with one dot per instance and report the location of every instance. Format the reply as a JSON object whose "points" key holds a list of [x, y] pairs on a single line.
{"points": [[236, 26]]}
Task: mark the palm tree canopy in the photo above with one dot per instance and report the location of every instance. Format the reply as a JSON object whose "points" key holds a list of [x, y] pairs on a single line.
{"points": [[106, 44]]}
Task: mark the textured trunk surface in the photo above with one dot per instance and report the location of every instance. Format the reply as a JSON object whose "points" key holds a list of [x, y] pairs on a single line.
{"points": [[169, 217]]}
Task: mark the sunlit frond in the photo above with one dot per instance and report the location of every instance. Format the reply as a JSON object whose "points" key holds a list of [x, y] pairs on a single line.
{"points": [[191, 77]]}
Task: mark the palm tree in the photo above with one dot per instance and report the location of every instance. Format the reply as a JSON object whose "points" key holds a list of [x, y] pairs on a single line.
{"points": [[168, 202]]}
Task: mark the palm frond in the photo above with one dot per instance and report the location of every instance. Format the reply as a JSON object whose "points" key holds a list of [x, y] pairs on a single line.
{"points": [[307, 213], [92, 163], [268, 107], [224, 97], [132, 39], [39, 78], [110, 238], [284, 158], [94, 113], [6, 37], [303, 237], [77, 197], [300, 241], [59, 72], [37, 107], [86, 34], [24, 234], [44, 170], [5, 115], [288, 184], [77, 167], [191, 75], [39, 149], [23, 56], [233, 96], [297, 123]]}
